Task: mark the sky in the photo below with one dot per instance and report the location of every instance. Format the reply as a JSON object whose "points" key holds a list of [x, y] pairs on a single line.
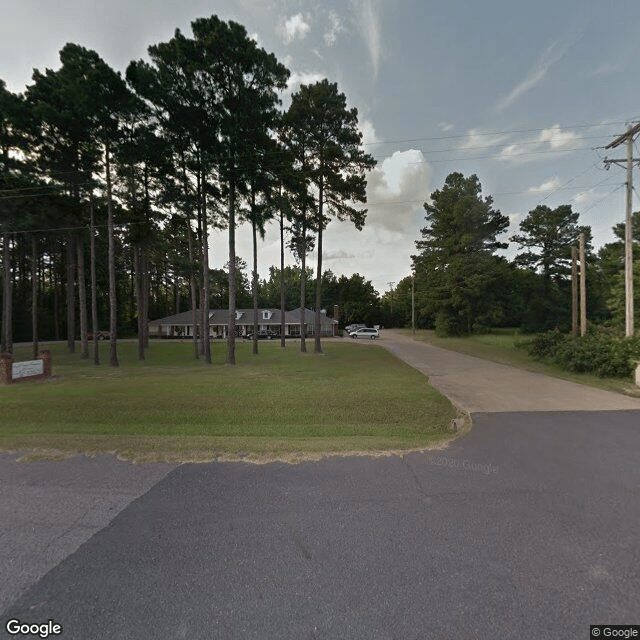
{"points": [[522, 94]]}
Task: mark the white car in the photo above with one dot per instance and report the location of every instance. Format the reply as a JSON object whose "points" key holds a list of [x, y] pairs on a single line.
{"points": [[365, 332]]}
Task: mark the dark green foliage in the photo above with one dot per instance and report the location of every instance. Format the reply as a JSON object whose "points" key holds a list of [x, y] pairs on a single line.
{"points": [[324, 137], [600, 352], [459, 279], [548, 235]]}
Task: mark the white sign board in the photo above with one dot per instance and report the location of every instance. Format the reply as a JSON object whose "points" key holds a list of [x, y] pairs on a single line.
{"points": [[26, 369]]}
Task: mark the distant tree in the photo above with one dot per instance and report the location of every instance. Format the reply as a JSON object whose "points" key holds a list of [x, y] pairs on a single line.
{"points": [[296, 139], [548, 235], [79, 108], [270, 287], [611, 268], [457, 265], [65, 148], [246, 79], [11, 182], [182, 82], [336, 164], [356, 298]]}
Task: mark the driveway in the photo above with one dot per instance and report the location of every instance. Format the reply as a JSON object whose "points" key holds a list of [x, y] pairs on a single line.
{"points": [[526, 527], [477, 385]]}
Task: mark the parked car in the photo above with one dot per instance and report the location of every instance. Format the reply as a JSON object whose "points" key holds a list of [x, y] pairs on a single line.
{"points": [[365, 332], [354, 327], [100, 335], [264, 334]]}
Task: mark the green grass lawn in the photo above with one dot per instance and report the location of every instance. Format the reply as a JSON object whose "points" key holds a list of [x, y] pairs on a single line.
{"points": [[501, 345], [278, 404]]}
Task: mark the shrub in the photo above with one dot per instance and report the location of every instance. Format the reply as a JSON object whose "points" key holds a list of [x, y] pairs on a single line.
{"points": [[546, 345], [601, 352]]}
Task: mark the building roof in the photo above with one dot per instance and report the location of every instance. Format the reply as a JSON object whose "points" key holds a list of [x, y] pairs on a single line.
{"points": [[244, 317]]}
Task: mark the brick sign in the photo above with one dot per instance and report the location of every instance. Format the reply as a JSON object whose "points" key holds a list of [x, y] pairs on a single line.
{"points": [[27, 369]]}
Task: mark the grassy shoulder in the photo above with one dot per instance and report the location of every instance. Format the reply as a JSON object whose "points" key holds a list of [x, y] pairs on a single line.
{"points": [[501, 346], [278, 405]]}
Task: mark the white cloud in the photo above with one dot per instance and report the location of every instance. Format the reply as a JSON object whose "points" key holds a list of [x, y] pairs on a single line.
{"points": [[548, 140], [368, 132], [446, 126], [396, 190], [557, 138], [303, 77], [549, 57], [477, 140], [337, 27], [589, 197], [548, 185], [368, 20], [341, 254], [603, 69], [294, 28]]}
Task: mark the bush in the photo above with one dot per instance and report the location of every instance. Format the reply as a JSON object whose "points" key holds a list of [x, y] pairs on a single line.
{"points": [[546, 345], [448, 324], [601, 352]]}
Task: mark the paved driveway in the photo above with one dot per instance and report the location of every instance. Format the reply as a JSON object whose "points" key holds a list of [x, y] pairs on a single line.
{"points": [[527, 527], [478, 385]]}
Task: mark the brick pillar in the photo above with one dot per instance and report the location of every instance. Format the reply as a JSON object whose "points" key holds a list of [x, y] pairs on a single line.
{"points": [[45, 356], [6, 361]]}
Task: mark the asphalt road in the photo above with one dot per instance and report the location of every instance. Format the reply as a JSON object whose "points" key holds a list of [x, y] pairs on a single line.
{"points": [[526, 528]]}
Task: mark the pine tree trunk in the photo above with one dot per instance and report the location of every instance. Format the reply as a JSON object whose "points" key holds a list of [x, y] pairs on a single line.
{"points": [[199, 248], [317, 323], [7, 292], [94, 286], [34, 295], [137, 268], [205, 278], [303, 284], [56, 308], [254, 285], [71, 296], [192, 284], [231, 338], [82, 296], [145, 295], [283, 327], [113, 312]]}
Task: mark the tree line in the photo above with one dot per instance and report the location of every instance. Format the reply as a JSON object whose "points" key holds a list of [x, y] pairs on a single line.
{"points": [[461, 285], [109, 185]]}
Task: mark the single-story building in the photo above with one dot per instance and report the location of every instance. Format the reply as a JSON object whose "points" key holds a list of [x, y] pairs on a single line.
{"points": [[181, 325]]}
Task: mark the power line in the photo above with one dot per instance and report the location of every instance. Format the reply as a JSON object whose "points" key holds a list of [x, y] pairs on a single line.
{"points": [[492, 133], [505, 157], [502, 143]]}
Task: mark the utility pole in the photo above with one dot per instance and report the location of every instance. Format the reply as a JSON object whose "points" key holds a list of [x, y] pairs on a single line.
{"points": [[628, 237], [583, 288], [391, 296], [574, 292]]}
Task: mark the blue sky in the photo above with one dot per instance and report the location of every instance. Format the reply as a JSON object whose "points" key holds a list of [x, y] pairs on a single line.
{"points": [[521, 94]]}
